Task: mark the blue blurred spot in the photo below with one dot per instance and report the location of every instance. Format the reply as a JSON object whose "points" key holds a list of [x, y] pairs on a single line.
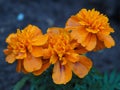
{"points": [[20, 17]]}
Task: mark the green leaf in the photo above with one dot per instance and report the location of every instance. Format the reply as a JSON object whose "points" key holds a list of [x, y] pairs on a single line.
{"points": [[77, 87], [117, 80], [117, 86], [112, 77], [20, 84], [43, 87], [105, 78]]}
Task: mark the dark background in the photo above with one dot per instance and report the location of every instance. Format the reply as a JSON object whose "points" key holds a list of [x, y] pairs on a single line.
{"points": [[48, 13]]}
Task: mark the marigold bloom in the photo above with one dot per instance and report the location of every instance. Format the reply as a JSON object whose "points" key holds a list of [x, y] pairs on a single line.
{"points": [[25, 46], [65, 57], [91, 29]]}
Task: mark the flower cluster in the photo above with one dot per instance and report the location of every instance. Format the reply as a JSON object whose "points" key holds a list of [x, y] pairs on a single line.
{"points": [[65, 48]]}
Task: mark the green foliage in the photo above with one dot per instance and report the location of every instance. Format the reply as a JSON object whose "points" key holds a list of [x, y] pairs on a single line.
{"points": [[93, 81], [21, 83], [111, 82]]}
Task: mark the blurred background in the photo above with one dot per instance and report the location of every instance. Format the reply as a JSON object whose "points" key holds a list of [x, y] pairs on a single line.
{"points": [[47, 13]]}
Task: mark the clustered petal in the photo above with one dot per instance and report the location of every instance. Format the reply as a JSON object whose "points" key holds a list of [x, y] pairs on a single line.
{"points": [[24, 46], [65, 57], [65, 48], [91, 29]]}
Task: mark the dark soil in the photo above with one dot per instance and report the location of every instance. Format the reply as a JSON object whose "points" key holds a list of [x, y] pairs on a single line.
{"points": [[48, 13]]}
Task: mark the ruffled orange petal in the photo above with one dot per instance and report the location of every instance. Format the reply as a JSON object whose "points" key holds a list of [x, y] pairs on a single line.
{"points": [[21, 55], [81, 14], [9, 38], [86, 41], [29, 48], [19, 66], [47, 53], [32, 29], [80, 50], [7, 51], [10, 58], [107, 30], [53, 59], [54, 30], [90, 42], [83, 23], [36, 30], [79, 34], [82, 67], [92, 30], [100, 45], [37, 51], [42, 69], [85, 61], [31, 63], [39, 40], [61, 73], [72, 57], [100, 36], [109, 41], [72, 22]]}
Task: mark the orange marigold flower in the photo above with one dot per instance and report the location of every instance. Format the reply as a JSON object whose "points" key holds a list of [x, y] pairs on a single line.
{"points": [[25, 46], [65, 57], [91, 29]]}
